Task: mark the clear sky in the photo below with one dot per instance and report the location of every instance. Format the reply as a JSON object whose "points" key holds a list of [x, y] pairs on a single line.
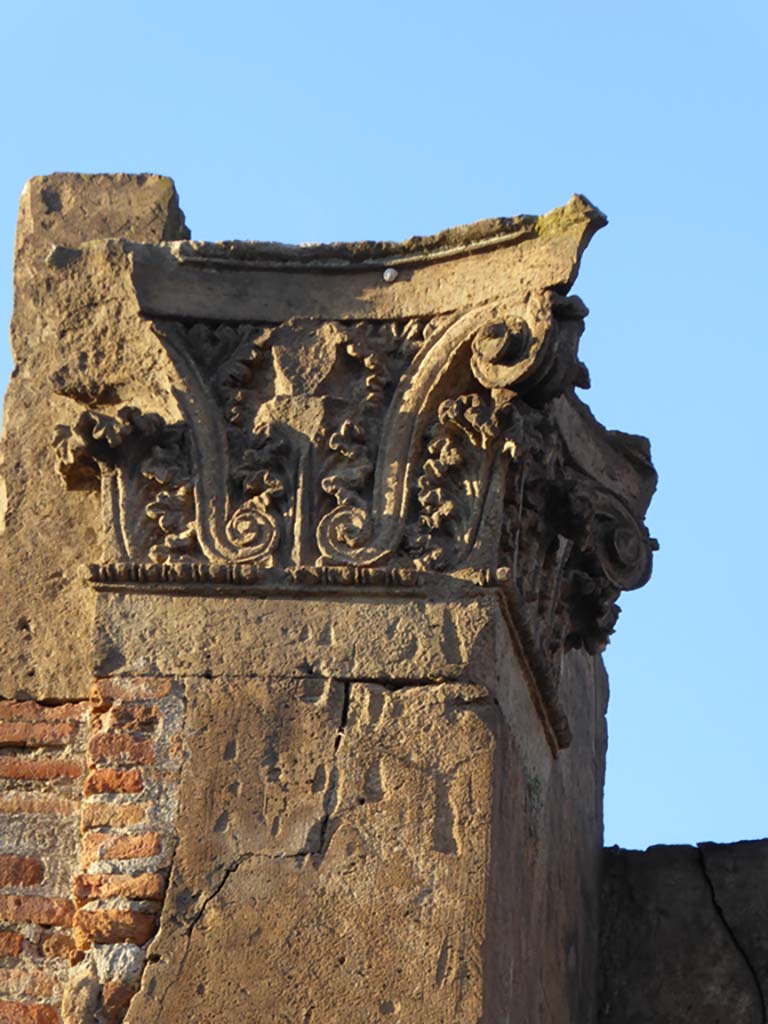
{"points": [[330, 121]]}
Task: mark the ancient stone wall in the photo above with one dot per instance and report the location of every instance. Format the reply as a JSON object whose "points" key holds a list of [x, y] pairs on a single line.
{"points": [[309, 556], [685, 935]]}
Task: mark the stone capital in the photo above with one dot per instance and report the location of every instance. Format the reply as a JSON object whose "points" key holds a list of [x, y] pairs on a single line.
{"points": [[371, 415]]}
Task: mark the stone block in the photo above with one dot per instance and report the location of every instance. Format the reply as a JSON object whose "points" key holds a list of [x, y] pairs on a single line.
{"points": [[684, 934], [56, 352]]}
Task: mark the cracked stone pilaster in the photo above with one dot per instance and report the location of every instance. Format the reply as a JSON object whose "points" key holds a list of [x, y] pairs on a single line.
{"points": [[313, 469]]}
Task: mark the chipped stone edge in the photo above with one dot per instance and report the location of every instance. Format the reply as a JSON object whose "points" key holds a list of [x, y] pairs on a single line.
{"points": [[452, 243]]}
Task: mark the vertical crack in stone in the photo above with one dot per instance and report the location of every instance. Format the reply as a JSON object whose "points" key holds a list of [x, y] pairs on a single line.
{"points": [[733, 937], [331, 792], [228, 873]]}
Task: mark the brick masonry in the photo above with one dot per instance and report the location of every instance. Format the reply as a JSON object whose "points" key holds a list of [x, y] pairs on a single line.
{"points": [[87, 805], [42, 766]]}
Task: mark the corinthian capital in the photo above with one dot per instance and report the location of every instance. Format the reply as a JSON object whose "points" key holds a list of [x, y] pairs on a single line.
{"points": [[369, 415]]}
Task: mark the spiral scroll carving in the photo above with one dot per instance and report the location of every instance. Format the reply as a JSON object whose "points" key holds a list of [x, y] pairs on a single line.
{"points": [[344, 536], [254, 531], [432, 446]]}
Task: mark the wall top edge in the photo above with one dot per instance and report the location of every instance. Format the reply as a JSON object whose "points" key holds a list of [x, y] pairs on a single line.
{"points": [[495, 232], [577, 218]]}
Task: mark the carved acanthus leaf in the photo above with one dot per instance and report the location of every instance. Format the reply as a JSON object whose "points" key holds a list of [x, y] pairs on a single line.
{"points": [[259, 486], [454, 478], [142, 463], [174, 511], [433, 445], [348, 468], [93, 442]]}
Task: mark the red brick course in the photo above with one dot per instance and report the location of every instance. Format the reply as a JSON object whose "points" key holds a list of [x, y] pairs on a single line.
{"points": [[37, 779], [146, 886], [134, 717], [31, 711], [129, 688], [116, 998], [114, 780], [58, 944], [10, 943], [36, 734], [110, 815], [36, 803], [19, 871], [28, 768], [36, 910], [27, 1013], [26, 981], [120, 846], [123, 719], [102, 927], [119, 748]]}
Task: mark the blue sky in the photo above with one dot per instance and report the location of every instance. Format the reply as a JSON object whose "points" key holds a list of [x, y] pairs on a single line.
{"points": [[337, 120]]}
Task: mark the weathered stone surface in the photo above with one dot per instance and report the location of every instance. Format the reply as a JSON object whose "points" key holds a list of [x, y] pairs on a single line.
{"points": [[540, 251], [289, 826], [73, 316], [424, 636], [684, 935], [314, 809], [81, 997], [738, 876], [353, 547]]}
